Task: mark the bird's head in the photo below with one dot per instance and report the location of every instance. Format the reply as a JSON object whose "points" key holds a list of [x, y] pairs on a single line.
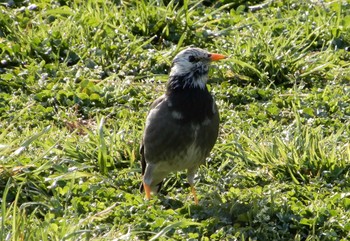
{"points": [[190, 68]]}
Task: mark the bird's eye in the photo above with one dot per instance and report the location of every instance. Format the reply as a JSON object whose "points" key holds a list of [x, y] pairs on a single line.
{"points": [[191, 58]]}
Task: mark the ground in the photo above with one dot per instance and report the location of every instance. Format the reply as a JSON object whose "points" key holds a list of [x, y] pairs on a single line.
{"points": [[77, 79]]}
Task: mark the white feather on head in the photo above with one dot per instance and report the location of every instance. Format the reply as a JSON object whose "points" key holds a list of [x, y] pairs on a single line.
{"points": [[195, 72]]}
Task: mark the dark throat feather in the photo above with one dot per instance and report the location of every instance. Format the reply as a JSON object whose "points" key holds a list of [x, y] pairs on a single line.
{"points": [[194, 103]]}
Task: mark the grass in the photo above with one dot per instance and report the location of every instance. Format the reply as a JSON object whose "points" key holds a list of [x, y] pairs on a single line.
{"points": [[76, 82]]}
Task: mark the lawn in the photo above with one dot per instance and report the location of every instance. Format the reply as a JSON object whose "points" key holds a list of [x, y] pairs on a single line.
{"points": [[77, 79]]}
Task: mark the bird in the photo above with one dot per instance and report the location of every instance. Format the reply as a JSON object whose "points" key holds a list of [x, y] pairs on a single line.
{"points": [[182, 125]]}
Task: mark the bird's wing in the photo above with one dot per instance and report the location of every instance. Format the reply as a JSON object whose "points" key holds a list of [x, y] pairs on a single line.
{"points": [[142, 147], [164, 137]]}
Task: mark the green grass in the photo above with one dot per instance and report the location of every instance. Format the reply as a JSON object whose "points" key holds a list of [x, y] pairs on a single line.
{"points": [[77, 79]]}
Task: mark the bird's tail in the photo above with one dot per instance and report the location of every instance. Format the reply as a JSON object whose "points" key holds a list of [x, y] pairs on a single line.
{"points": [[143, 169]]}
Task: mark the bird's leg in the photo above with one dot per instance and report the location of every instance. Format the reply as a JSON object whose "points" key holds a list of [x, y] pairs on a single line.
{"points": [[190, 177], [193, 190], [147, 180], [147, 191]]}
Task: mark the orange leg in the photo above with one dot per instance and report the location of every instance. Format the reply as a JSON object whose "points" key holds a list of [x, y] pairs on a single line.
{"points": [[147, 191], [193, 190]]}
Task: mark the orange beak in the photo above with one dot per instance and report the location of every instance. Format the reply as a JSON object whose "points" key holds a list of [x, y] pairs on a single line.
{"points": [[216, 57]]}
